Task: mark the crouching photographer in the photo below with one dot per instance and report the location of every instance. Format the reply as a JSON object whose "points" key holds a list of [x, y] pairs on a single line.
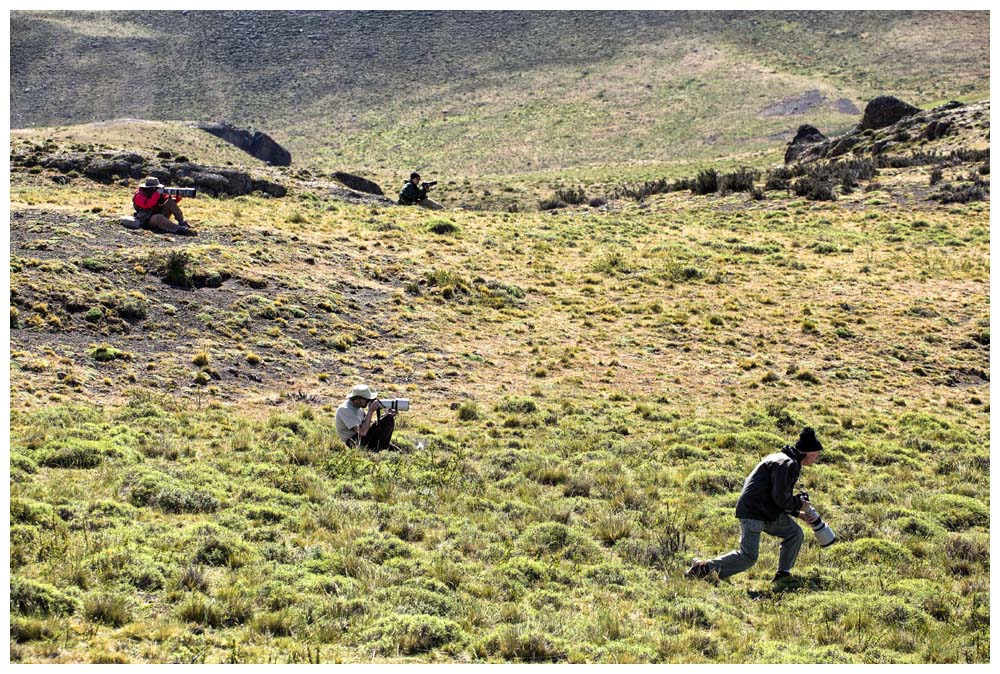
{"points": [[414, 192], [355, 423], [155, 204], [767, 504]]}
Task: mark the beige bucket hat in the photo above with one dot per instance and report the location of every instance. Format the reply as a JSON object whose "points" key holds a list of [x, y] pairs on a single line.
{"points": [[362, 391], [152, 181]]}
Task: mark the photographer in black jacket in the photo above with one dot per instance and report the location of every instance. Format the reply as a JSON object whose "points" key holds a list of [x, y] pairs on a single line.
{"points": [[415, 193], [766, 504]]}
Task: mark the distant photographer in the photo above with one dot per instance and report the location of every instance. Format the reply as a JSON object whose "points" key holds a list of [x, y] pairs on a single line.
{"points": [[154, 205], [767, 504], [414, 193], [354, 420]]}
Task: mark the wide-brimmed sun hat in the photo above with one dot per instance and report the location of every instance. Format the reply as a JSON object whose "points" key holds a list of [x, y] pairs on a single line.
{"points": [[152, 181], [363, 391]]}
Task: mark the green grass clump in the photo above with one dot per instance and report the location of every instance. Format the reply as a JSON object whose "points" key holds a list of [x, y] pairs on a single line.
{"points": [[468, 411], [711, 481], [516, 405], [108, 608], [104, 353], [197, 608], [76, 453], [410, 634], [28, 597], [215, 548], [553, 538], [872, 551], [522, 643], [442, 226], [27, 629], [158, 490], [958, 512]]}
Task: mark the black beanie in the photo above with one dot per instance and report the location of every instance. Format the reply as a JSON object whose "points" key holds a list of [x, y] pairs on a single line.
{"points": [[807, 441]]}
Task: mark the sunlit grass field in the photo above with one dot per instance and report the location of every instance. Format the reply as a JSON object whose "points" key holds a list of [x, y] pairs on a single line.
{"points": [[589, 388]]}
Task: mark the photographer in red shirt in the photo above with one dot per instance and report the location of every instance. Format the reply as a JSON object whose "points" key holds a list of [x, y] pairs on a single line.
{"points": [[153, 209]]}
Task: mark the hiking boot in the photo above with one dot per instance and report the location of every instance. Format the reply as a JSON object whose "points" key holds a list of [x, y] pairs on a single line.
{"points": [[699, 569], [781, 575], [185, 230]]}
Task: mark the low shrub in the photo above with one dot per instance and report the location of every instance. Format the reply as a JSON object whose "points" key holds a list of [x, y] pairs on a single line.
{"points": [[380, 547], [110, 609], [977, 190], [517, 406], [442, 226], [416, 601], [741, 180], [274, 623], [973, 547], [468, 411], [709, 481], [410, 634], [573, 196], [706, 182], [958, 512], [552, 538], [691, 612], [27, 629], [814, 188], [30, 597], [520, 643], [75, 453], [219, 550], [872, 551], [197, 608], [175, 269], [551, 204]]}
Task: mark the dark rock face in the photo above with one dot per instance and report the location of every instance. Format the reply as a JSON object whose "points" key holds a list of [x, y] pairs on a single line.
{"points": [[256, 144], [805, 137], [885, 111], [937, 129], [358, 183]]}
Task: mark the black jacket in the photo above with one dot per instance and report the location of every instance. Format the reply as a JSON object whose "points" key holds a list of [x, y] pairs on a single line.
{"points": [[411, 194], [767, 491]]}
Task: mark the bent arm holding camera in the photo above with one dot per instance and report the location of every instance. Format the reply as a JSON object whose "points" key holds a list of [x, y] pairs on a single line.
{"points": [[373, 406], [354, 422]]}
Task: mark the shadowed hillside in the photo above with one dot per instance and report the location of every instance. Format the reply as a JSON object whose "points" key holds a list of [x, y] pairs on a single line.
{"points": [[491, 91]]}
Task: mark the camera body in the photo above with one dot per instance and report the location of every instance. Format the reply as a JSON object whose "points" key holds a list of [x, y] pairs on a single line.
{"points": [[180, 191], [821, 530], [395, 404], [428, 184]]}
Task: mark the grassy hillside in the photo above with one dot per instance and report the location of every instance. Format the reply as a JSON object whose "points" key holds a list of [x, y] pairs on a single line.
{"points": [[492, 92], [589, 387]]}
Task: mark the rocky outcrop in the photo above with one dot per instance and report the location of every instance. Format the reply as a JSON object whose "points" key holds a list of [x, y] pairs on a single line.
{"points": [[885, 111], [358, 183], [806, 136], [131, 167], [889, 125], [256, 144]]}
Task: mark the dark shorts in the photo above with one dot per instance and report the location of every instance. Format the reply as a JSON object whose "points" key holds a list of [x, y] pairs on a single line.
{"points": [[142, 215]]}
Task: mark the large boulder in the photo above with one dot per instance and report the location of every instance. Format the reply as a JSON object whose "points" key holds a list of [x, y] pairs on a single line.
{"points": [[806, 137], [885, 111], [268, 187], [257, 144], [358, 183], [106, 170]]}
